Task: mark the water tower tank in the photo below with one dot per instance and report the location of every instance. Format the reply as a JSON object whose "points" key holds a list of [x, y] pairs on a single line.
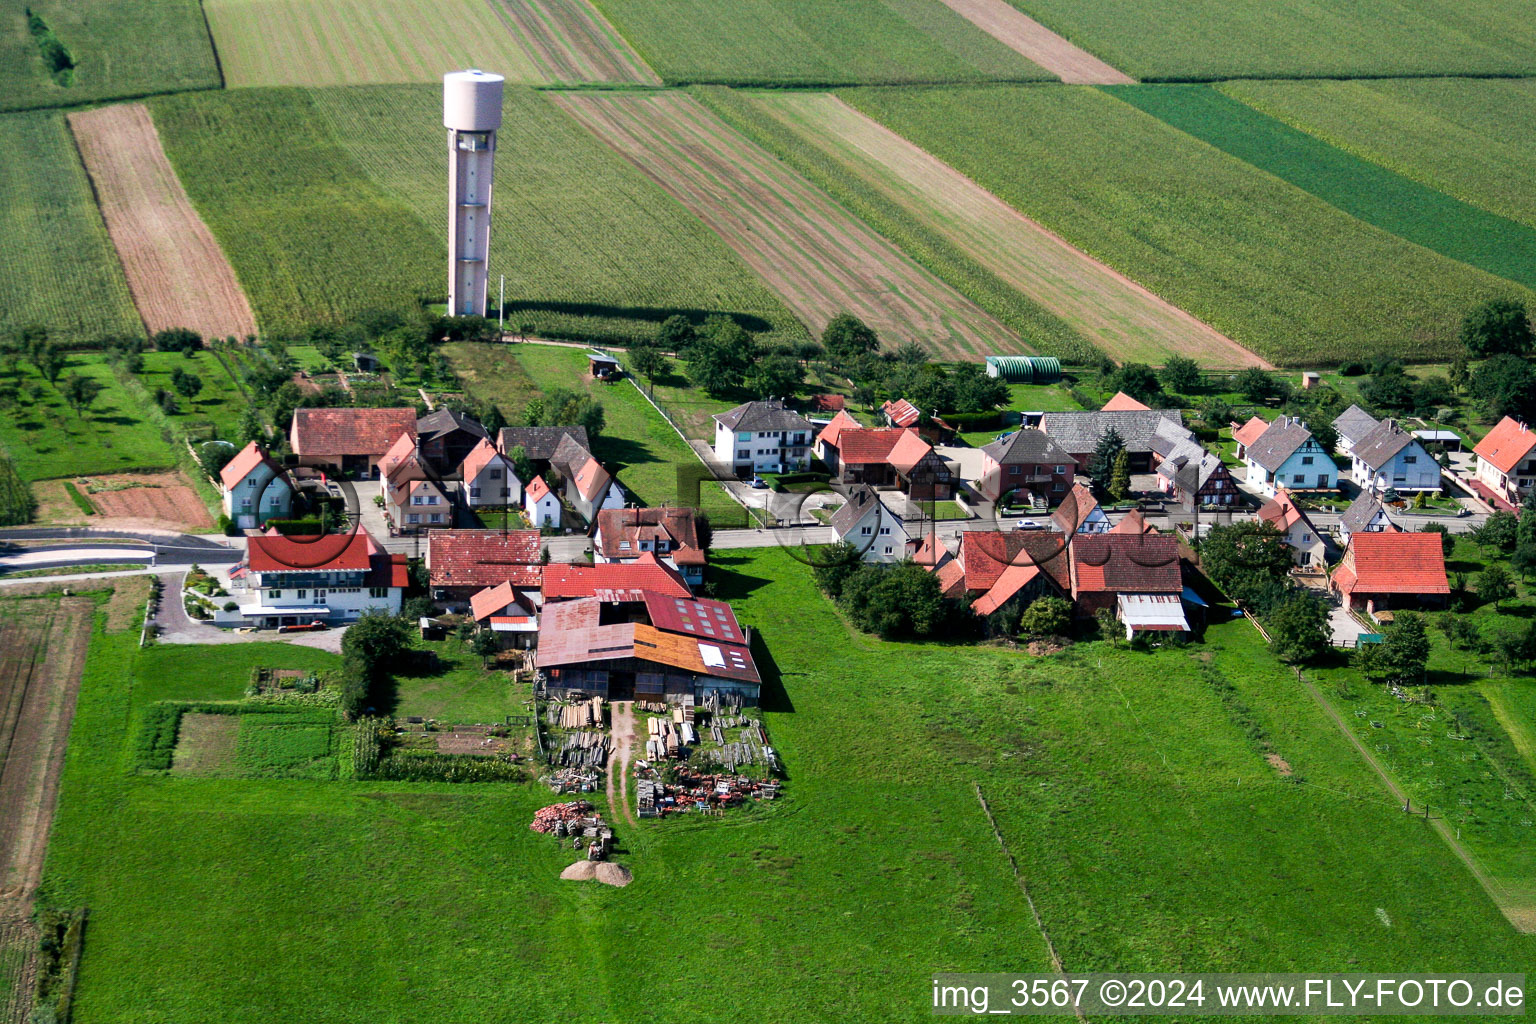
{"points": [[471, 113], [472, 100]]}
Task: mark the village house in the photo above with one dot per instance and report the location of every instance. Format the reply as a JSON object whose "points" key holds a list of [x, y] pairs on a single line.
{"points": [[1079, 433], [825, 445], [347, 441], [539, 444], [1381, 571], [414, 496], [996, 569], [625, 535], [1285, 455], [1390, 458], [1306, 543], [890, 458], [1351, 425], [489, 478], [447, 437], [670, 649], [1139, 575], [762, 437], [333, 578], [461, 563], [1505, 464], [1027, 464], [255, 488], [512, 617], [542, 505], [587, 487], [1366, 514], [1196, 478], [1079, 512], [876, 526]]}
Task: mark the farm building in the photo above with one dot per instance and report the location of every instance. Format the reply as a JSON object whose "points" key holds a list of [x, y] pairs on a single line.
{"points": [[1025, 369], [461, 563], [1306, 544], [1351, 425], [447, 437], [1380, 571], [1196, 478], [1079, 432], [762, 437], [825, 445], [613, 581], [604, 366], [1366, 514], [1390, 458], [1110, 565], [889, 458], [1027, 463], [995, 569], [1505, 464], [899, 412], [1123, 402], [624, 535], [1079, 512], [349, 441], [539, 443], [290, 581], [489, 478], [255, 488], [510, 615], [669, 648], [1286, 455]]}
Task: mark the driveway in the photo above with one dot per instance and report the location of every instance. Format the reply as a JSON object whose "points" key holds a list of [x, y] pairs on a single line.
{"points": [[177, 627], [1345, 627]]}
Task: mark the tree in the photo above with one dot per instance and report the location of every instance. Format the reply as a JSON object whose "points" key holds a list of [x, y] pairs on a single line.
{"points": [[1180, 374], [973, 391], [1524, 559], [80, 392], [1497, 326], [1046, 616], [187, 385], [1461, 374], [676, 334], [1215, 413], [1101, 466], [846, 337], [370, 646], [703, 530], [562, 407], [1506, 384], [484, 644], [1137, 380], [177, 339], [774, 375], [1390, 387], [650, 362], [522, 466], [1298, 627], [49, 360], [1401, 655], [1120, 478], [719, 359], [1500, 532], [1447, 542], [1109, 627], [1459, 629], [1254, 384], [1494, 584], [1325, 435], [910, 353], [837, 564], [1244, 558], [1525, 527]]}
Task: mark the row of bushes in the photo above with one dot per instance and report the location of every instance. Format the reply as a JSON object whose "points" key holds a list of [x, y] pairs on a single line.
{"points": [[17, 505], [61, 943], [413, 766], [991, 419]]}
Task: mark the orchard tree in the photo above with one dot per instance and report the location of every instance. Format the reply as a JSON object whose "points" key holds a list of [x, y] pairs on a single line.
{"points": [[1101, 467], [1401, 655], [1046, 616], [80, 392], [1506, 384], [1245, 558], [1494, 585], [1498, 326], [676, 334], [650, 362], [187, 385], [1181, 374], [846, 338], [1137, 380], [1298, 627], [1501, 531], [774, 374]]}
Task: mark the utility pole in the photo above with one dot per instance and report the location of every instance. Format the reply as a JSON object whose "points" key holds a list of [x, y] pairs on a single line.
{"points": [[501, 307]]}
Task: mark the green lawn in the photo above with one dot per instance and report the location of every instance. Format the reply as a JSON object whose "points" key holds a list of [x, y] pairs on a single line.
{"points": [[1273, 267], [446, 681], [219, 403], [47, 439], [1132, 789]]}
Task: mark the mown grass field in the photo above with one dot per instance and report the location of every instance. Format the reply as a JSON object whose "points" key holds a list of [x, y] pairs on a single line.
{"points": [[57, 265], [354, 42], [46, 438], [588, 244], [219, 403], [119, 49], [1374, 194], [800, 42], [1122, 783], [1206, 39], [311, 237], [1271, 266], [1461, 136]]}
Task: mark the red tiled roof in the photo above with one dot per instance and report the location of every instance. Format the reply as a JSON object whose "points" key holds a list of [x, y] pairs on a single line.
{"points": [[538, 489], [483, 558], [707, 620], [480, 456], [908, 451], [901, 412], [332, 432], [985, 555], [389, 570], [1125, 563], [1506, 444], [1013, 579], [862, 446], [829, 403], [401, 452], [492, 600], [591, 479], [1123, 402], [1250, 432], [241, 466], [674, 525], [1133, 522], [832, 431], [614, 581], [272, 552], [951, 578], [1281, 511], [1393, 563], [1075, 509]]}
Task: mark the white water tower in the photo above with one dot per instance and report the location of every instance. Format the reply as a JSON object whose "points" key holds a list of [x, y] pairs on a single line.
{"points": [[472, 114]]}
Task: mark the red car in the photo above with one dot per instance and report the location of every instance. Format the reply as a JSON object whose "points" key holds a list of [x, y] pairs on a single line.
{"points": [[308, 627]]}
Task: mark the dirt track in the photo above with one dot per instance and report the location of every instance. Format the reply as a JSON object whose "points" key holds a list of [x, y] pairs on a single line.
{"points": [[821, 260], [176, 271], [618, 762], [1026, 36], [571, 42]]}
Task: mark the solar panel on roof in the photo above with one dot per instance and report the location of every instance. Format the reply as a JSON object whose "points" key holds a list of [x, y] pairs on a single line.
{"points": [[712, 655]]}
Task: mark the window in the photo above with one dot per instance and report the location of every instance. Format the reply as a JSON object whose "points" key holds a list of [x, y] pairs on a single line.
{"points": [[495, 474], [273, 504], [1061, 470], [1306, 460], [865, 532], [744, 454], [623, 545], [274, 594], [885, 531], [887, 549], [301, 594], [251, 484], [245, 504], [437, 517], [1306, 538], [474, 492], [378, 591], [1299, 478], [1058, 487], [416, 500], [1409, 460], [413, 518], [1013, 470], [745, 435]]}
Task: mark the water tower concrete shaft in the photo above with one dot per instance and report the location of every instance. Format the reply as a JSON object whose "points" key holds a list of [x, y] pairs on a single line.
{"points": [[472, 114]]}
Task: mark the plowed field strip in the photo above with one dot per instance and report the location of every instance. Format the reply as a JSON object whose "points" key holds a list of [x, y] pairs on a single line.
{"points": [[1114, 313], [571, 42], [176, 272], [812, 252], [1026, 36]]}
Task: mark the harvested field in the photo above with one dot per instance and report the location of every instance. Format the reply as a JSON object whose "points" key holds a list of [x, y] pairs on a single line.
{"points": [[168, 503], [1112, 312], [125, 609], [814, 254], [1007, 24], [205, 744], [156, 501], [571, 42], [356, 42], [176, 272]]}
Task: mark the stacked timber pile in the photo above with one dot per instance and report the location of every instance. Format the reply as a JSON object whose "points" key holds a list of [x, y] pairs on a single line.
{"points": [[581, 715], [584, 749], [572, 780], [667, 739]]}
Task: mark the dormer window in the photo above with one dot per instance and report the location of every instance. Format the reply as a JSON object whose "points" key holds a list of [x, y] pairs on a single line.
{"points": [[623, 545]]}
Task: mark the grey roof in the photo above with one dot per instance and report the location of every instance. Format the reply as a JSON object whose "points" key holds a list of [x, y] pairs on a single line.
{"points": [[539, 442], [1027, 445], [569, 455], [1173, 438], [1190, 468], [861, 499], [1079, 432], [446, 421], [1360, 512], [1378, 447], [768, 415], [1279, 442], [1354, 423]]}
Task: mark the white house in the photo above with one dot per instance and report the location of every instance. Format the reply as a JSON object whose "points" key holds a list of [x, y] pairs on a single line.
{"points": [[290, 581], [589, 488], [1079, 512], [1391, 458], [1287, 455], [490, 481], [1306, 544], [763, 437], [255, 488], [1504, 462], [1351, 425], [542, 505], [1365, 515], [874, 527]]}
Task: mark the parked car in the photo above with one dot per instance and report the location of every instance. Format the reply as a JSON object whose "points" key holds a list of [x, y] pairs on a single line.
{"points": [[304, 627], [758, 483], [1029, 524]]}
